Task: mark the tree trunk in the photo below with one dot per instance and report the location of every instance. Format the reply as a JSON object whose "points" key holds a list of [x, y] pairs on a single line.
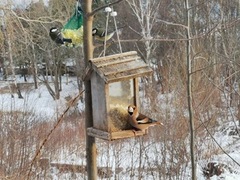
{"points": [[189, 90], [91, 151], [9, 50], [34, 68], [4, 57]]}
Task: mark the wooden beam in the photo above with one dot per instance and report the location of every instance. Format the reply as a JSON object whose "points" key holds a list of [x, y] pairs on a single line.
{"points": [[127, 134], [130, 53], [91, 149], [135, 75], [114, 135], [98, 133], [127, 68], [120, 61]]}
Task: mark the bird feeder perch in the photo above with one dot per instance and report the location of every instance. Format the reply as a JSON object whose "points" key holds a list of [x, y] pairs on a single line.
{"points": [[114, 84]]}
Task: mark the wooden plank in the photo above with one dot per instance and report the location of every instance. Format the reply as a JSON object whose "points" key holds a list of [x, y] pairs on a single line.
{"points": [[130, 53], [136, 92], [98, 133], [99, 103], [144, 70], [121, 61], [100, 73], [127, 134], [114, 56], [127, 68], [116, 67], [114, 135], [133, 75], [113, 70]]}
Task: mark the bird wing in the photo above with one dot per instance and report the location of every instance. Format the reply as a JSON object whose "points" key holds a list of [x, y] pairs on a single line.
{"points": [[141, 117], [101, 36], [143, 121], [67, 40]]}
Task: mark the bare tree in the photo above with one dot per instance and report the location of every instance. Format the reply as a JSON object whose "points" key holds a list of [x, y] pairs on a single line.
{"points": [[7, 33], [146, 13], [189, 90]]}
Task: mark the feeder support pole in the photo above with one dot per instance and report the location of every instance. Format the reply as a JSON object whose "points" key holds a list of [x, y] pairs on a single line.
{"points": [[91, 153]]}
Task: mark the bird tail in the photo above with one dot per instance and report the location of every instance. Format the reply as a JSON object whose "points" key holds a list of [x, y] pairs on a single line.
{"points": [[155, 122], [119, 30], [79, 7]]}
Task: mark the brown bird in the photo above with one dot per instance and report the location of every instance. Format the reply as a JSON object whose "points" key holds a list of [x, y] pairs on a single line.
{"points": [[138, 120]]}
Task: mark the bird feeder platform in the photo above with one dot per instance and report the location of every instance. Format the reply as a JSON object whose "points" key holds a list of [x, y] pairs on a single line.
{"points": [[114, 86], [114, 135]]}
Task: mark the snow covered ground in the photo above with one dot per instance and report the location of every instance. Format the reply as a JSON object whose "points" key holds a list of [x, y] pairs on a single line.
{"points": [[135, 157], [39, 100]]}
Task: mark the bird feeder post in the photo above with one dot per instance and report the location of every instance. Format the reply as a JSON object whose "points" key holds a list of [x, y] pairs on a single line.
{"points": [[91, 152], [114, 86], [136, 91]]}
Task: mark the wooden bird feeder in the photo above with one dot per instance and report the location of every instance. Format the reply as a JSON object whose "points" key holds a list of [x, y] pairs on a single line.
{"points": [[114, 84]]}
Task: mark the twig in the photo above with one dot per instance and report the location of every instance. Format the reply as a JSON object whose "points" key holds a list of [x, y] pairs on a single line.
{"points": [[218, 143], [172, 40], [102, 7], [72, 102]]}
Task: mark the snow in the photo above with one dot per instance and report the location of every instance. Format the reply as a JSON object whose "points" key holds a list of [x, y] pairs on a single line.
{"points": [[131, 154], [39, 101], [21, 3]]}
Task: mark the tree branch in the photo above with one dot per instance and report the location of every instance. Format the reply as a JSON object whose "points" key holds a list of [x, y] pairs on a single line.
{"points": [[102, 7], [215, 28], [60, 119], [171, 23]]}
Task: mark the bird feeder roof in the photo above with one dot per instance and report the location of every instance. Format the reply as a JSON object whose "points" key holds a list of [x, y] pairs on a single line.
{"points": [[120, 67]]}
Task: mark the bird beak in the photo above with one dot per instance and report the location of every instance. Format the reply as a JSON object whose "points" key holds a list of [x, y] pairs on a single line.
{"points": [[130, 110]]}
